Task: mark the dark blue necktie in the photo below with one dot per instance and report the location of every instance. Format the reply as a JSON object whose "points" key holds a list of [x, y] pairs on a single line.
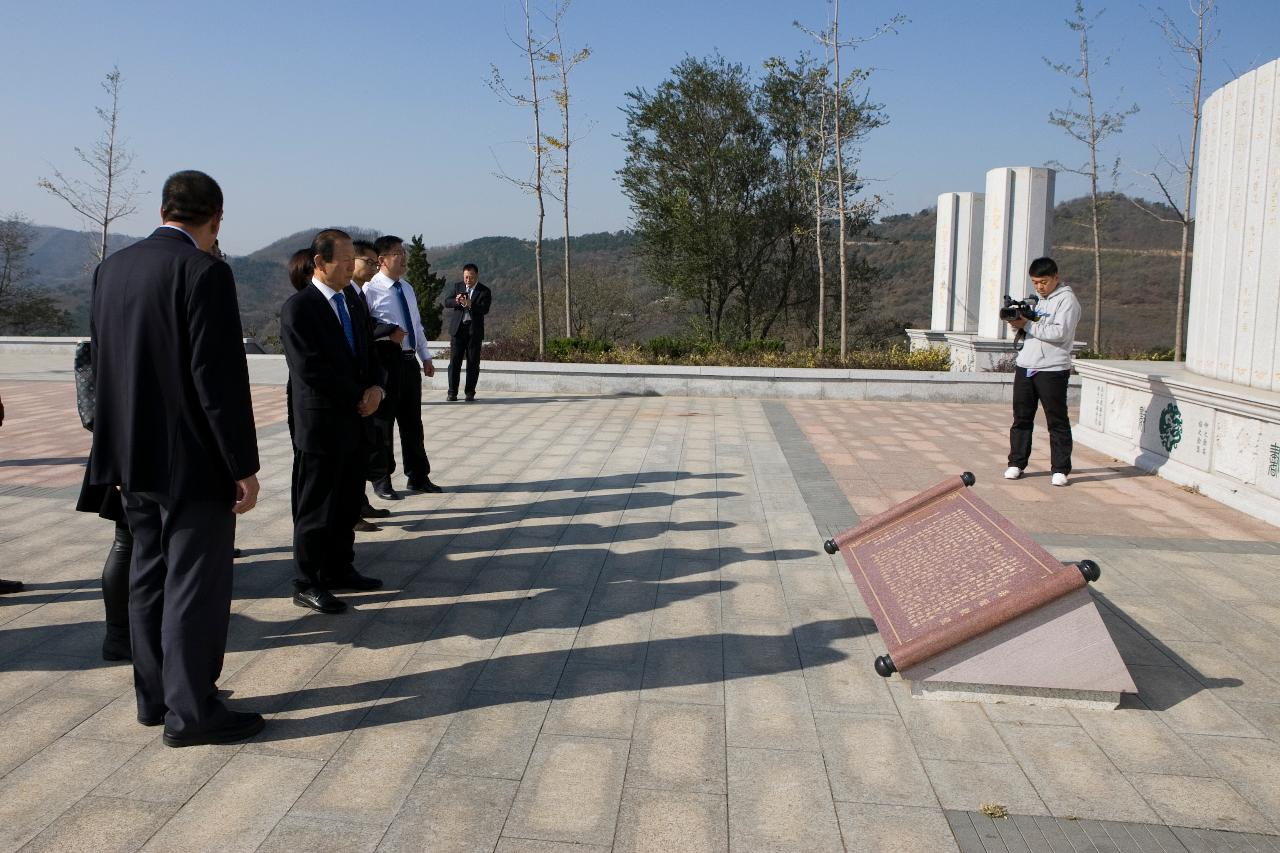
{"points": [[341, 304], [408, 318]]}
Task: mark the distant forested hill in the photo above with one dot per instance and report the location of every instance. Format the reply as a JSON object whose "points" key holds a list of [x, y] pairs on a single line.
{"points": [[1140, 267]]}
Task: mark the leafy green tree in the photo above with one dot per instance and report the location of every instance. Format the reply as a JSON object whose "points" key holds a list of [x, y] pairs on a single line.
{"points": [[731, 180], [699, 175], [427, 286]]}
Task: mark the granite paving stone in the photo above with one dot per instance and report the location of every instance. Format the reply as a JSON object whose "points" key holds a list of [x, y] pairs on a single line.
{"points": [[652, 821], [780, 800], [570, 791], [102, 825], [894, 829], [678, 748], [239, 807]]}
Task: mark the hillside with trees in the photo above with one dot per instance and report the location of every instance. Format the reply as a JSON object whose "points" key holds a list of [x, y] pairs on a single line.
{"points": [[617, 298]]}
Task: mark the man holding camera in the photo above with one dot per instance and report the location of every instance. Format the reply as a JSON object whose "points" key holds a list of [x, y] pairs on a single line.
{"points": [[1043, 370]]}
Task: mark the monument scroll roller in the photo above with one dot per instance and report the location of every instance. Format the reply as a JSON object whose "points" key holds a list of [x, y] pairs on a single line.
{"points": [[944, 567]]}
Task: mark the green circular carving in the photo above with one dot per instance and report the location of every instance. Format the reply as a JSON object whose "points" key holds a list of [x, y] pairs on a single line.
{"points": [[1170, 427]]}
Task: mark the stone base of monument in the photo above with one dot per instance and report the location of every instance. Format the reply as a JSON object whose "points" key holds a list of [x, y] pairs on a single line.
{"points": [[969, 607], [1059, 655], [1221, 438], [970, 353]]}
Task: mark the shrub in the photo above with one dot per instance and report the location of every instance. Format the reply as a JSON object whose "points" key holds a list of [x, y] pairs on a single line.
{"points": [[565, 349]]}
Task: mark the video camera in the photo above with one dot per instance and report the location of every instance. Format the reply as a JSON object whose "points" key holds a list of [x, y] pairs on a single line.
{"points": [[1025, 308]]}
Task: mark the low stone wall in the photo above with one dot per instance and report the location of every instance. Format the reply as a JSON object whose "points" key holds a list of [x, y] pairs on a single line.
{"points": [[647, 380], [1223, 439]]}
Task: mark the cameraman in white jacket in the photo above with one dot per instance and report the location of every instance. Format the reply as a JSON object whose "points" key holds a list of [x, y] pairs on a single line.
{"points": [[1043, 370]]}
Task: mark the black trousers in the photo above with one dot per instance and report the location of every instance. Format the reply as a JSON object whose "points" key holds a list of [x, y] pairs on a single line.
{"points": [[1048, 389], [179, 606], [464, 344], [382, 456], [328, 492], [115, 586], [408, 417]]}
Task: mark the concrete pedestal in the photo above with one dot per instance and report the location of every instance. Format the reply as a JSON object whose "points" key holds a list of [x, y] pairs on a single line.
{"points": [[1221, 438]]}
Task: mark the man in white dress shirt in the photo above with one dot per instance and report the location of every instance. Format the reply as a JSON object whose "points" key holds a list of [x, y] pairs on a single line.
{"points": [[392, 300]]}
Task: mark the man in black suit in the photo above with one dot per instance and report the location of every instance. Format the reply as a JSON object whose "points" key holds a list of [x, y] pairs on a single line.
{"points": [[334, 385], [470, 301], [173, 428], [387, 338]]}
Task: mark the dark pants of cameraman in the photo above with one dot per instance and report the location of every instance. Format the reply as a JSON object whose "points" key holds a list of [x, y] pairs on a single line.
{"points": [[1048, 388]]}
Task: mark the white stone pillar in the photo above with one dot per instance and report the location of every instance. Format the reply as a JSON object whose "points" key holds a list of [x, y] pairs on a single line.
{"points": [[957, 262], [944, 263], [1018, 218], [968, 286], [1235, 274]]}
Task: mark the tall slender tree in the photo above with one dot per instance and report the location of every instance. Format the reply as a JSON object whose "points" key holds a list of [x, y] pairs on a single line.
{"points": [[1091, 127], [533, 50], [830, 39], [1191, 46], [563, 64], [111, 193]]}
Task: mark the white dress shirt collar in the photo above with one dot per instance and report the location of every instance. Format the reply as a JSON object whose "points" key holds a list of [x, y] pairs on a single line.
{"points": [[184, 233]]}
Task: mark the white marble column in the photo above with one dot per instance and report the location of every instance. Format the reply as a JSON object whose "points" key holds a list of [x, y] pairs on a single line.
{"points": [[944, 263], [1235, 272], [1018, 218], [957, 262]]}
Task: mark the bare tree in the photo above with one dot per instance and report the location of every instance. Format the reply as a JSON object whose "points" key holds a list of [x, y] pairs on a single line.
{"points": [[830, 40], [1191, 46], [1091, 128], [110, 193], [535, 51], [563, 63]]}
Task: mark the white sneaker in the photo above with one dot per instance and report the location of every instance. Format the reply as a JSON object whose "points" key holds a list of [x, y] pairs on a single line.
{"points": [[1059, 479], [1012, 473]]}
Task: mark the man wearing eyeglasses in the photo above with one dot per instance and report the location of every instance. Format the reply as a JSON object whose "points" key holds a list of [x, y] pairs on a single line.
{"points": [[386, 338], [392, 300]]}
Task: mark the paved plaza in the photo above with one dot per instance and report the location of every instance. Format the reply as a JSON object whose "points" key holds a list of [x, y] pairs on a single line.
{"points": [[617, 630]]}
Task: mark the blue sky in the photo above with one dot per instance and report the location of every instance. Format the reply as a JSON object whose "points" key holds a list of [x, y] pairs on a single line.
{"points": [[322, 113]]}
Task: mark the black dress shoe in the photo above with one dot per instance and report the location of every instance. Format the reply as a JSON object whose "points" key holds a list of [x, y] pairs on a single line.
{"points": [[452, 398], [235, 553], [352, 580], [369, 511], [10, 586], [242, 726], [471, 398], [363, 526], [319, 599], [382, 488], [424, 486]]}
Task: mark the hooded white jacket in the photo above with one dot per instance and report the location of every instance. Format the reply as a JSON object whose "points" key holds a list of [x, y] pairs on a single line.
{"points": [[1049, 338]]}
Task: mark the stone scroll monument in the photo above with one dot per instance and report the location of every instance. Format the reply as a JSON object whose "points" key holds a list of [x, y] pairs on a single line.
{"points": [[1213, 422], [970, 607]]}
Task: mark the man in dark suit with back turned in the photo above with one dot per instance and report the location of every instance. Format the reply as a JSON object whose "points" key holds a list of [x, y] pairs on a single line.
{"points": [[470, 301], [173, 428], [334, 384]]}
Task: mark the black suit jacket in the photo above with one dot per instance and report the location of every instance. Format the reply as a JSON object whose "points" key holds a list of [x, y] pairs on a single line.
{"points": [[173, 411], [481, 301], [326, 379]]}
